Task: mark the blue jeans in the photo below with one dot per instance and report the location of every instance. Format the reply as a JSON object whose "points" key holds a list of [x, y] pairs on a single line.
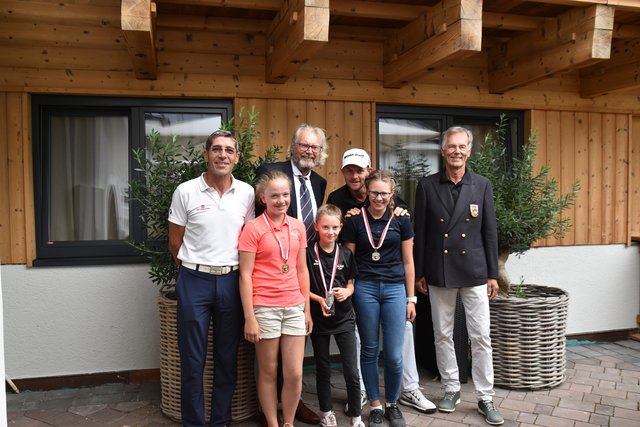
{"points": [[381, 304]]}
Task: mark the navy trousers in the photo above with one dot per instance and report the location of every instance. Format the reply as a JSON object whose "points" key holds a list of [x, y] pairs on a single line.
{"points": [[202, 299]]}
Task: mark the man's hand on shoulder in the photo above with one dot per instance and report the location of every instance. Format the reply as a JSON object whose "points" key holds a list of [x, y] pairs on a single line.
{"points": [[398, 211], [353, 212]]}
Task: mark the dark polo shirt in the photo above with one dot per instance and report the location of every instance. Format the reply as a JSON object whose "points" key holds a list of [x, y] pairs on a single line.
{"points": [[390, 267]]}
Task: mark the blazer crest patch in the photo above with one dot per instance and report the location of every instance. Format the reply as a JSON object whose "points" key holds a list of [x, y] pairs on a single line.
{"points": [[474, 210]]}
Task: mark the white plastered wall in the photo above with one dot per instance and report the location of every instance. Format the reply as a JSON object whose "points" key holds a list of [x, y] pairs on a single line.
{"points": [[77, 320]]}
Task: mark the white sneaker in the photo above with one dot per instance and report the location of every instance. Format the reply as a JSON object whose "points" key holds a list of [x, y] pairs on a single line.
{"points": [[329, 420], [363, 398], [358, 424], [363, 401], [416, 399]]}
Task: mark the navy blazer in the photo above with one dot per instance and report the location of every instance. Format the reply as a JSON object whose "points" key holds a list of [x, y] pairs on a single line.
{"points": [[455, 246], [318, 184]]}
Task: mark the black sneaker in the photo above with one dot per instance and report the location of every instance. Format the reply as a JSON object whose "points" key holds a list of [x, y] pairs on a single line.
{"points": [[375, 418], [393, 414]]}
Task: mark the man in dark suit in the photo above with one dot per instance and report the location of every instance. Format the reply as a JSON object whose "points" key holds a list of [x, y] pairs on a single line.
{"points": [[308, 149], [456, 251]]}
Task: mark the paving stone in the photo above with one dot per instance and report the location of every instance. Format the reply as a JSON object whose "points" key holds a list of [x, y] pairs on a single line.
{"points": [[571, 414], [622, 422], [20, 420], [577, 405], [86, 410], [585, 388], [599, 419], [627, 414], [519, 405], [621, 403], [604, 409], [526, 418], [551, 421], [543, 409], [602, 382]]}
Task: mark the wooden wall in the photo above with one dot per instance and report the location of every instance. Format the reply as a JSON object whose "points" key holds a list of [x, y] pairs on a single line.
{"points": [[634, 181], [17, 224], [595, 149]]}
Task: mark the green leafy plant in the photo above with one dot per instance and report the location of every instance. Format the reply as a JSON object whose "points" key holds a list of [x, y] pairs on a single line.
{"points": [[519, 289], [162, 165], [528, 203]]}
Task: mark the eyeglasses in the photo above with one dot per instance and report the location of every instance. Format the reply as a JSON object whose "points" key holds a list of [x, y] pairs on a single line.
{"points": [[306, 147], [216, 149], [376, 194]]}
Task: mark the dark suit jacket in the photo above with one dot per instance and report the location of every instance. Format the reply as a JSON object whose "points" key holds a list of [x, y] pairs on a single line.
{"points": [[455, 247], [318, 183]]}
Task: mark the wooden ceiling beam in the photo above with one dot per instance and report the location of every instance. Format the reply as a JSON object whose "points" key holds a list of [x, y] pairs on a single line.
{"points": [[138, 26], [576, 39], [297, 33], [621, 72], [449, 31], [632, 5]]}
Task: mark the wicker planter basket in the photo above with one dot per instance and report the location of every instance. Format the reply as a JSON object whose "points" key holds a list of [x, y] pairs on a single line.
{"points": [[245, 401], [528, 338]]}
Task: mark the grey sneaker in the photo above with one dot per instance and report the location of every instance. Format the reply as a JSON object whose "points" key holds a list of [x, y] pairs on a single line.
{"points": [[449, 401], [393, 414], [491, 414], [376, 418]]}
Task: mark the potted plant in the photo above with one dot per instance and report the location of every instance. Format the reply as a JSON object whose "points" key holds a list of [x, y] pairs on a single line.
{"points": [[528, 322], [162, 165]]}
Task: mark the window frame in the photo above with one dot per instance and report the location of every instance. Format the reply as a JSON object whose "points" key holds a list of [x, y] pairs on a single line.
{"points": [[98, 252], [454, 116]]}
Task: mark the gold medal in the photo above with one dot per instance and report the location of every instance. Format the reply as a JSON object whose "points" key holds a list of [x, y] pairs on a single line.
{"points": [[375, 256], [285, 268]]}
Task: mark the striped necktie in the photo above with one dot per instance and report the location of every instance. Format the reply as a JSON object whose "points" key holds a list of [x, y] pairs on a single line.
{"points": [[306, 209]]}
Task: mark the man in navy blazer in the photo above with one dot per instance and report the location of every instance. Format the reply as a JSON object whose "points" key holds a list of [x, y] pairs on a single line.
{"points": [[456, 251], [307, 150]]}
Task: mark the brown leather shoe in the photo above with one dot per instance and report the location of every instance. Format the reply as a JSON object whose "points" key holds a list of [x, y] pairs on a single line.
{"points": [[306, 415]]}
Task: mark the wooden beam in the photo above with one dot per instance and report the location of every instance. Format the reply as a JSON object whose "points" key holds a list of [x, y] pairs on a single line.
{"points": [[451, 30], [139, 29], [621, 72], [300, 29], [576, 39]]}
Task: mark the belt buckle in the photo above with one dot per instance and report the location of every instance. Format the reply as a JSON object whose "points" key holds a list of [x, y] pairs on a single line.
{"points": [[217, 270]]}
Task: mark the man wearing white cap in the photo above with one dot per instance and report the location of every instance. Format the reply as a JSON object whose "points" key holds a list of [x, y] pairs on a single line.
{"points": [[356, 167]]}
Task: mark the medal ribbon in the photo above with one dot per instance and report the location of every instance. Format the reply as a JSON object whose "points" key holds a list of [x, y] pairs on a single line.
{"points": [[285, 256], [368, 228], [333, 273]]}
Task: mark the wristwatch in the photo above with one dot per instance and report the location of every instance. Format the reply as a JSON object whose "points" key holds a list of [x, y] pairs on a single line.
{"points": [[412, 299]]}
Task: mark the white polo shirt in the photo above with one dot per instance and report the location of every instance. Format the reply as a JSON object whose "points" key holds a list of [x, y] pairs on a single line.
{"points": [[212, 223]]}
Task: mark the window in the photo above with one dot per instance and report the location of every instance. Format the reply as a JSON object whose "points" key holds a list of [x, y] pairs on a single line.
{"points": [[82, 167], [409, 139]]}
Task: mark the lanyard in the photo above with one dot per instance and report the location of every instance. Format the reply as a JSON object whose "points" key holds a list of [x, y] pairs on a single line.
{"points": [[284, 255], [375, 256], [327, 290]]}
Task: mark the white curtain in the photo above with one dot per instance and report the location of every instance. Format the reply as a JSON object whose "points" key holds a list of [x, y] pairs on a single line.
{"points": [[89, 178]]}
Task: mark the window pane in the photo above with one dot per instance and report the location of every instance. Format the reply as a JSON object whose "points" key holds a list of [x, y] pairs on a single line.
{"points": [[89, 163], [194, 127], [410, 149]]}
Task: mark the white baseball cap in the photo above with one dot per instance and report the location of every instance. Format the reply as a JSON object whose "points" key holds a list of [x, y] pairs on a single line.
{"points": [[356, 156]]}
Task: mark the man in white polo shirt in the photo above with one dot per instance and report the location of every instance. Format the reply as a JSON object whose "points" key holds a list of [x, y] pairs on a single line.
{"points": [[205, 219]]}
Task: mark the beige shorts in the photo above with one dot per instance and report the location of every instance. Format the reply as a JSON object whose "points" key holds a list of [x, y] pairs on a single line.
{"points": [[277, 321]]}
